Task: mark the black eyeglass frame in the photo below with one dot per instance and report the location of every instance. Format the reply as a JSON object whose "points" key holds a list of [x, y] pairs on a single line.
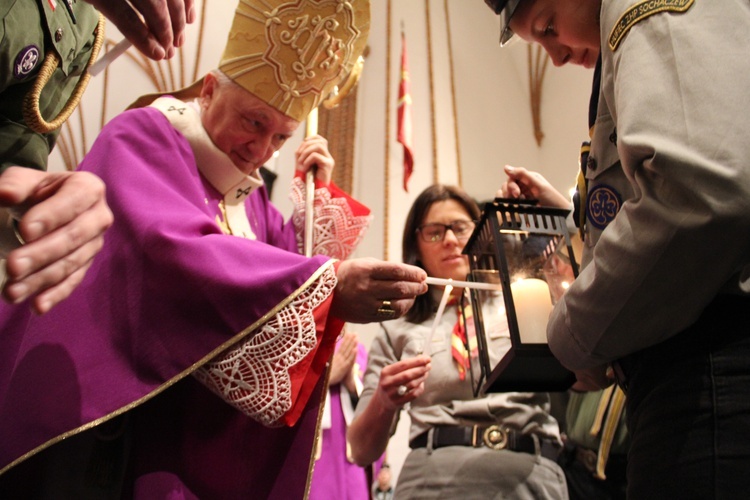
{"points": [[446, 227]]}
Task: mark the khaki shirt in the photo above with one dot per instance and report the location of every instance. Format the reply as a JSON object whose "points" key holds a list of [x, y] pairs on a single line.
{"points": [[29, 29], [673, 90], [447, 400]]}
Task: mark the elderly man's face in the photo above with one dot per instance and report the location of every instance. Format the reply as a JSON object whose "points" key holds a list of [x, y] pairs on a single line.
{"points": [[244, 127], [567, 29]]}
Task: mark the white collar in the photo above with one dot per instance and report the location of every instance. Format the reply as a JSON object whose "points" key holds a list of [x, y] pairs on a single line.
{"points": [[218, 169]]}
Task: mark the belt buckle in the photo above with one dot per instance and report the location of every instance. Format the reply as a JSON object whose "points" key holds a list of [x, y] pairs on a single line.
{"points": [[495, 437]]}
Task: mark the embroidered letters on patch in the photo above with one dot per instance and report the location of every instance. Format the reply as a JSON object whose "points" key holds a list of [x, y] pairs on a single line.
{"points": [[641, 11]]}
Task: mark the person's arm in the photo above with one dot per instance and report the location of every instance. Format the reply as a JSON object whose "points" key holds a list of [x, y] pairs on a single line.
{"points": [[313, 152], [302, 335], [365, 283], [526, 184], [340, 220], [63, 216], [155, 27], [681, 141], [380, 402]]}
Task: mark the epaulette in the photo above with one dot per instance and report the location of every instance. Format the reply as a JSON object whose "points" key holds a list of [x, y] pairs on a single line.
{"points": [[641, 11]]}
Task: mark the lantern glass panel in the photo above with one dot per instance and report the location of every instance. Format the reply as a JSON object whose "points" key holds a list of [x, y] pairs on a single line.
{"points": [[493, 333], [525, 251], [538, 276]]}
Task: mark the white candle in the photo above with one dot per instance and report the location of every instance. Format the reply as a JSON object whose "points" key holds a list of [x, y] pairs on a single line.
{"points": [[438, 317], [463, 284], [533, 307]]}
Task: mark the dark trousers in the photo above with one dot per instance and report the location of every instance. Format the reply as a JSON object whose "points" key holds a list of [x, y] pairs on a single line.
{"points": [[688, 409], [582, 485]]}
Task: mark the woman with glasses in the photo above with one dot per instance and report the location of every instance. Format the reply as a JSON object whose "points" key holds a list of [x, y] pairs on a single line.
{"points": [[496, 446]]}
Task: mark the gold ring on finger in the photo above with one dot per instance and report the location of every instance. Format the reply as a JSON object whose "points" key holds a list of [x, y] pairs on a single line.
{"points": [[385, 311]]}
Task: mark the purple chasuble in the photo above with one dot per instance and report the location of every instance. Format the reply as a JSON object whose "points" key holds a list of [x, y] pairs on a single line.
{"points": [[334, 475], [168, 292]]}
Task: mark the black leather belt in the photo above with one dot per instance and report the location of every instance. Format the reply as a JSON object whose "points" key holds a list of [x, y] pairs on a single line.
{"points": [[493, 436]]}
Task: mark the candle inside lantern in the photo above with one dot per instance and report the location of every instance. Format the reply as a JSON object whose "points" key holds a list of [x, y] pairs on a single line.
{"points": [[533, 305]]}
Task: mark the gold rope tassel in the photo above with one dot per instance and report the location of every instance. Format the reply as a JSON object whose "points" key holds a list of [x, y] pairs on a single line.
{"points": [[596, 427], [31, 113], [537, 61], [611, 405], [616, 406]]}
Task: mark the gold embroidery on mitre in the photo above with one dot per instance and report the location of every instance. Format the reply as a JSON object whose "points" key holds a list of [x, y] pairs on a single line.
{"points": [[641, 11], [292, 54]]}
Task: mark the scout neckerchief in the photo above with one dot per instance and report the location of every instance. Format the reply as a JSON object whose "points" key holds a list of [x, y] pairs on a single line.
{"points": [[463, 335], [579, 198]]}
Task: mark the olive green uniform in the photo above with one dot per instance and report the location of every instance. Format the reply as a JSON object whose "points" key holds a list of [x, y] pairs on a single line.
{"points": [[29, 30]]}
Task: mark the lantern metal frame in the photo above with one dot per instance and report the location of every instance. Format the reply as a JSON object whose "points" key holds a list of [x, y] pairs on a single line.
{"points": [[526, 366]]}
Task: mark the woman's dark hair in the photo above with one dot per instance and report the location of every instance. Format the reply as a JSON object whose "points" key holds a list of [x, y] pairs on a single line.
{"points": [[423, 304]]}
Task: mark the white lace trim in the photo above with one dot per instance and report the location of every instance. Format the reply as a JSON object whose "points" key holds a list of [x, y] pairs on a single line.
{"points": [[337, 230], [253, 376]]}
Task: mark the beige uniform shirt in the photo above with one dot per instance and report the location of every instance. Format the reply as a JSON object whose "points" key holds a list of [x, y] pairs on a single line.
{"points": [[447, 400], [674, 90]]}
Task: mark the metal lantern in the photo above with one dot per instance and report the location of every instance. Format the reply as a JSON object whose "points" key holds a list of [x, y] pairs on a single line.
{"points": [[525, 250]]}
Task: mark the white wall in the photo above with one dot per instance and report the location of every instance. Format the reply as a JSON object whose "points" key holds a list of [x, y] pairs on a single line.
{"points": [[493, 114]]}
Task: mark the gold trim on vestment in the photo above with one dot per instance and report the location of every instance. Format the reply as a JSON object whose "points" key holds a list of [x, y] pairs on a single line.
{"points": [[177, 378], [318, 430]]}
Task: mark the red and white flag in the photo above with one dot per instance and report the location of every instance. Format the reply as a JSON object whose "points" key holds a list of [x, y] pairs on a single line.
{"points": [[404, 114]]}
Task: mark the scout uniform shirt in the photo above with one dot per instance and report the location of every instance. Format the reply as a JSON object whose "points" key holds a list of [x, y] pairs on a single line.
{"points": [[685, 163]]}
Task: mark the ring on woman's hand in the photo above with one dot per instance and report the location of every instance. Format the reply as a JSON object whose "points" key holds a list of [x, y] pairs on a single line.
{"points": [[386, 311], [402, 390]]}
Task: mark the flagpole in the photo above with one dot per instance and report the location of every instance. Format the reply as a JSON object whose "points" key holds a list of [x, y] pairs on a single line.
{"points": [[311, 129], [387, 146]]}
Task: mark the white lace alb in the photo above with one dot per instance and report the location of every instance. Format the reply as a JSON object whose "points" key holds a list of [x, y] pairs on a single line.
{"points": [[337, 230], [253, 376]]}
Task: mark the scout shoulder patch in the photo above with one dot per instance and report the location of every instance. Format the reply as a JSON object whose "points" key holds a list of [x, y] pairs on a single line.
{"points": [[641, 11], [602, 204]]}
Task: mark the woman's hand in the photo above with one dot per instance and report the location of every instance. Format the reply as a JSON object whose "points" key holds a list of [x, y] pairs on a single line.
{"points": [[403, 381], [343, 359]]}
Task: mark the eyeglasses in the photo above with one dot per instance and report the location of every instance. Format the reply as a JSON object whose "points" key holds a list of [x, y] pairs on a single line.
{"points": [[434, 232]]}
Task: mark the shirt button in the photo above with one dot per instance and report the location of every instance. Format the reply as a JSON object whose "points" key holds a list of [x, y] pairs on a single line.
{"points": [[58, 34], [591, 163]]}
